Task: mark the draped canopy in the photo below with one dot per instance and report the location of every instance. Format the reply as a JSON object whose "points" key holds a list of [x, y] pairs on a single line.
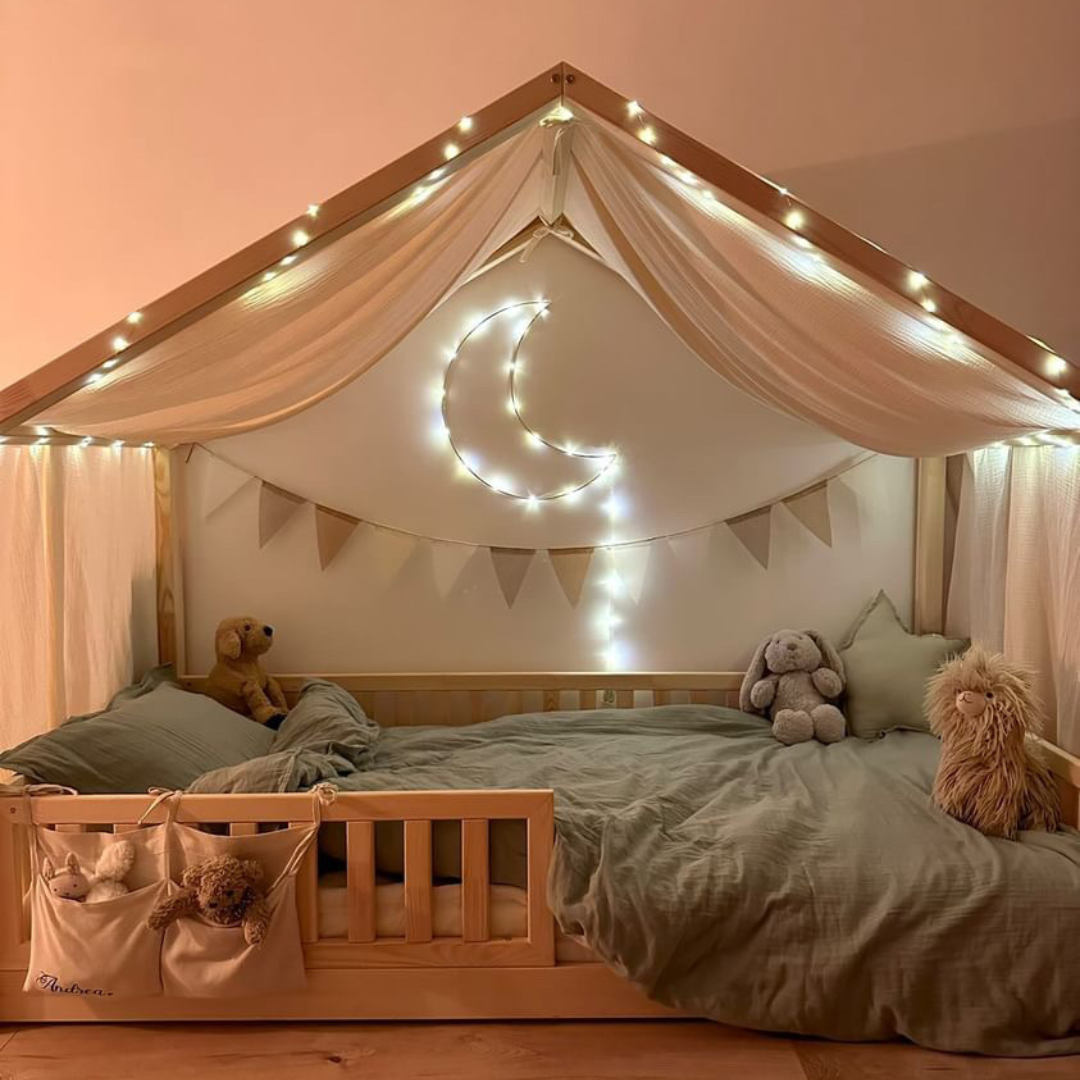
{"points": [[794, 328]]}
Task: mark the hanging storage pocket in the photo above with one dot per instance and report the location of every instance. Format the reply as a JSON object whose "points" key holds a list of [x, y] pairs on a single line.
{"points": [[102, 948], [204, 959]]}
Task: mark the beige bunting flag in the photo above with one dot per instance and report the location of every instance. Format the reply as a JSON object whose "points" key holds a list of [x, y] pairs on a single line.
{"points": [[448, 562], [631, 566], [332, 529], [276, 506], [571, 566], [221, 481], [389, 551], [811, 507], [753, 531], [511, 565]]}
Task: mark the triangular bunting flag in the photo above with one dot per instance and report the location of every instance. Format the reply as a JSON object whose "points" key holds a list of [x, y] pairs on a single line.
{"points": [[511, 565], [332, 529], [631, 564], [276, 506], [571, 565], [811, 507], [221, 481], [753, 531], [389, 551], [447, 563]]}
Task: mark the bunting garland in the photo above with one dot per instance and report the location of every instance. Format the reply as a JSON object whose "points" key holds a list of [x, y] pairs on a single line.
{"points": [[388, 548]]}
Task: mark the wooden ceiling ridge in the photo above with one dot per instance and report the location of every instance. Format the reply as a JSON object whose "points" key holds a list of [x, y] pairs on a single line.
{"points": [[566, 85]]}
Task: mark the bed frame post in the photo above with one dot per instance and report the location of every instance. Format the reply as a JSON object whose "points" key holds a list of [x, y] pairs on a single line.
{"points": [[167, 554], [929, 592]]}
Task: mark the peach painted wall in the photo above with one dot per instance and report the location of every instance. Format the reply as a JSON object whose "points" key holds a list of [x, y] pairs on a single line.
{"points": [[140, 142]]}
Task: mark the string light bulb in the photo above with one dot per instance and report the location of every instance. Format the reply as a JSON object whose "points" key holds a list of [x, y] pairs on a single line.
{"points": [[917, 280], [1056, 366], [928, 304], [111, 363], [288, 260], [269, 275], [135, 318], [795, 219], [312, 210], [465, 124], [648, 135], [300, 238], [451, 151], [633, 109], [87, 441], [119, 343]]}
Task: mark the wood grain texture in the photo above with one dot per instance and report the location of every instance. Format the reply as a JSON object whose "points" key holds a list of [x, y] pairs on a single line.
{"points": [[475, 880], [545, 1051], [307, 891], [360, 879], [930, 506], [902, 1061], [417, 881]]}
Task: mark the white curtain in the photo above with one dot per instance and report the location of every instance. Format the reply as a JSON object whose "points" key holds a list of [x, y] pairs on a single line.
{"points": [[77, 582], [791, 329], [1016, 572]]}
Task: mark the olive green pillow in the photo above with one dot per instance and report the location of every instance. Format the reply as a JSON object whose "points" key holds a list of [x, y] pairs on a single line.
{"points": [[887, 668], [152, 734]]}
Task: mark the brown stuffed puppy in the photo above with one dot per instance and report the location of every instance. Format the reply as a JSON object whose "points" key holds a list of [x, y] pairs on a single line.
{"points": [[225, 892], [990, 775], [238, 680]]}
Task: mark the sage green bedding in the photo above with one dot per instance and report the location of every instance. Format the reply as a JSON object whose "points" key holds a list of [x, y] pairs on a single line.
{"points": [[810, 889]]}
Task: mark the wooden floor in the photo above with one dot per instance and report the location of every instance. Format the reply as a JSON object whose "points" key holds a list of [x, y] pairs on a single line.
{"points": [[626, 1050]]}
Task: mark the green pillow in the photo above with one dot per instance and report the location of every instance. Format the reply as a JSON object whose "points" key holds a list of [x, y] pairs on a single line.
{"points": [[152, 735], [887, 667]]}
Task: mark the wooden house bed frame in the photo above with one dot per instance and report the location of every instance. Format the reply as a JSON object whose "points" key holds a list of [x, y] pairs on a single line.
{"points": [[419, 976]]}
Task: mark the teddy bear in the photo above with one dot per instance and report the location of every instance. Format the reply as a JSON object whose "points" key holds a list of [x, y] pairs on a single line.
{"points": [[238, 680], [990, 775], [224, 891], [793, 678], [105, 882]]}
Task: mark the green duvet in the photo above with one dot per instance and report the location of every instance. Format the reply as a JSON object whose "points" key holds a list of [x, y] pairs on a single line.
{"points": [[808, 889]]}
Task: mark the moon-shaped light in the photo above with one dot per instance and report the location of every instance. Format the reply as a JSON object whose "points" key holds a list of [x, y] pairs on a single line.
{"points": [[607, 458]]}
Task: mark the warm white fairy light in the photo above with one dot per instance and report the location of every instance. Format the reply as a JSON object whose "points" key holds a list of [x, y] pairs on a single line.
{"points": [[94, 377], [111, 363], [312, 210], [451, 151], [648, 135], [299, 238], [917, 280], [1056, 366], [928, 304], [795, 219], [135, 318], [119, 343], [87, 441], [465, 124], [148, 445], [559, 115], [477, 327], [42, 441], [634, 109], [288, 260], [269, 275]]}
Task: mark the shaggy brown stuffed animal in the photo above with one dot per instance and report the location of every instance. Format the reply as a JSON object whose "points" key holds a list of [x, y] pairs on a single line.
{"points": [[238, 680], [990, 775], [224, 891]]}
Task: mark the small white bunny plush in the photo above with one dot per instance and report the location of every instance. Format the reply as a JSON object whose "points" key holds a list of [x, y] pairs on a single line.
{"points": [[791, 678], [105, 883]]}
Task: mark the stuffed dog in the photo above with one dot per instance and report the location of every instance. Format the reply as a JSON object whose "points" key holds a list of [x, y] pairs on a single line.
{"points": [[791, 678], [238, 680]]}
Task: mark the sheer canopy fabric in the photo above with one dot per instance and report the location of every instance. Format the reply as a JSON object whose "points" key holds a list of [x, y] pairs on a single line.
{"points": [[771, 316], [77, 566], [1016, 571]]}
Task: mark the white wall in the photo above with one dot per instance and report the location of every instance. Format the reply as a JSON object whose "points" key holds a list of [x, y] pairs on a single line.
{"points": [[603, 371]]}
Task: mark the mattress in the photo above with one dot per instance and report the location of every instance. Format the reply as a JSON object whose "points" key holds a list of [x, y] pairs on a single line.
{"points": [[507, 914]]}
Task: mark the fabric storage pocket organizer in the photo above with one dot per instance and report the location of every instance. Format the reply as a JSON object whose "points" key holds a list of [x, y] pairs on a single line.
{"points": [[200, 958], [102, 948]]}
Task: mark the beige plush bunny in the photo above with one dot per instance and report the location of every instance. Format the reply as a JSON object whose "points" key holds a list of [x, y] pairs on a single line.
{"points": [[793, 679]]}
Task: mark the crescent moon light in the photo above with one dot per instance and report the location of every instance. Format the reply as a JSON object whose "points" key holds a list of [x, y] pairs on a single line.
{"points": [[606, 459]]}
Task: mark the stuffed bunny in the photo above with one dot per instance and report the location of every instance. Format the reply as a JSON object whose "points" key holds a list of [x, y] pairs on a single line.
{"points": [[791, 678], [105, 883]]}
